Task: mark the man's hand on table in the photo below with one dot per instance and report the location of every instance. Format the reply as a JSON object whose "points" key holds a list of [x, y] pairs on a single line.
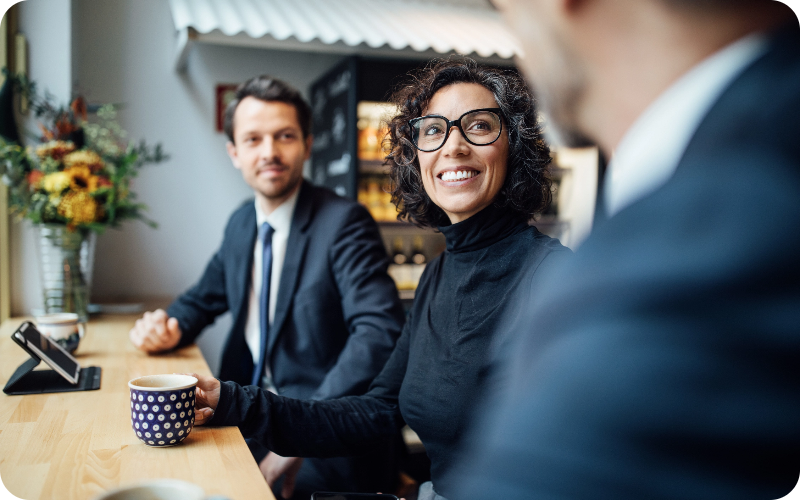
{"points": [[155, 332], [274, 466], [207, 398]]}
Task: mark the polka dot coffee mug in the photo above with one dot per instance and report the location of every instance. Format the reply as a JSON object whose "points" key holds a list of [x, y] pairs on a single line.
{"points": [[162, 408]]}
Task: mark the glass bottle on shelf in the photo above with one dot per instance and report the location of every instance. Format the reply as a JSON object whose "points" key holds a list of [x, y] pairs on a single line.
{"points": [[368, 142], [372, 129], [374, 194], [374, 199], [362, 195], [400, 269], [398, 256], [388, 208], [417, 254], [418, 260], [383, 145]]}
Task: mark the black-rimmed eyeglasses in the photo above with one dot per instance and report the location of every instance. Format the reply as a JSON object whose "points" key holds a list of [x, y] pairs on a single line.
{"points": [[479, 127]]}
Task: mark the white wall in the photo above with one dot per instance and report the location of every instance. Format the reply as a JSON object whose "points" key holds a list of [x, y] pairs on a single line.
{"points": [[124, 53], [47, 27]]}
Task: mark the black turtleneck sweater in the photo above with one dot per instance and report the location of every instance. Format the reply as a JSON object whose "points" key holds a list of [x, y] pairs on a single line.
{"points": [[437, 373]]}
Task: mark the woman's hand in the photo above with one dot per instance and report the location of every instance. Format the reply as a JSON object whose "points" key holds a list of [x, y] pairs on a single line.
{"points": [[207, 398]]}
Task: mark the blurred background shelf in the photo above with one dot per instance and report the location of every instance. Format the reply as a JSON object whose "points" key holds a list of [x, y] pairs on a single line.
{"points": [[374, 167]]}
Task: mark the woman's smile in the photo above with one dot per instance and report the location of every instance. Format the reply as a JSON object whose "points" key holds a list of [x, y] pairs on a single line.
{"points": [[457, 177]]}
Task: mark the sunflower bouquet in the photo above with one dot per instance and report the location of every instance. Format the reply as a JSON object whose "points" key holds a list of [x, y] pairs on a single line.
{"points": [[77, 172]]}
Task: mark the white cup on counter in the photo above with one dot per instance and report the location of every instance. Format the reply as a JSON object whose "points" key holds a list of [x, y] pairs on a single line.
{"points": [[64, 328], [161, 489]]}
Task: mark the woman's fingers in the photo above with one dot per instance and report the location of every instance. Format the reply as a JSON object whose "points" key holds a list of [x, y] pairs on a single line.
{"points": [[207, 394], [203, 415]]}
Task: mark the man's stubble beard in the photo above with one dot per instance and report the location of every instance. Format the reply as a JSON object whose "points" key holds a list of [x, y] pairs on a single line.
{"points": [[290, 187], [279, 193]]}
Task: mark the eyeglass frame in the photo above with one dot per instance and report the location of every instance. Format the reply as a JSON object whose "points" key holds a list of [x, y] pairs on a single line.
{"points": [[456, 123]]}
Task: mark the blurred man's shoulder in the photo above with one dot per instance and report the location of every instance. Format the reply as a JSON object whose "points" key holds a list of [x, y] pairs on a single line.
{"points": [[328, 201], [243, 217]]}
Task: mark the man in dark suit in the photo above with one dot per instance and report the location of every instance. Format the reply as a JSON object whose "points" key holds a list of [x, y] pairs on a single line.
{"points": [[303, 271], [665, 360]]}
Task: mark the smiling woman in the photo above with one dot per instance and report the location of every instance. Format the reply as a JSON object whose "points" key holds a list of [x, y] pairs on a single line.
{"points": [[462, 176], [466, 136], [468, 157]]}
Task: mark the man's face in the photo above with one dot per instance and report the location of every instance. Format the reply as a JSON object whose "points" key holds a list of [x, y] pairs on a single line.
{"points": [[550, 65], [268, 147]]}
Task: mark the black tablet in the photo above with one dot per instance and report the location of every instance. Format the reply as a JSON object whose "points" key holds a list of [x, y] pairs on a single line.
{"points": [[44, 348]]}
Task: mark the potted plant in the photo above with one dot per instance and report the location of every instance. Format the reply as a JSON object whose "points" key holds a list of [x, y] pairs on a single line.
{"points": [[72, 181]]}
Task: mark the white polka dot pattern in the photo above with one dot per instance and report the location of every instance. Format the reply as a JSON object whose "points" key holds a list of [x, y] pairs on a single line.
{"points": [[163, 418]]}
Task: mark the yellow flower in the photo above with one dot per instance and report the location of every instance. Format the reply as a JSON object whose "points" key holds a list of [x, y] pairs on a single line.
{"points": [[55, 149], [81, 179], [56, 182], [78, 208], [84, 158]]}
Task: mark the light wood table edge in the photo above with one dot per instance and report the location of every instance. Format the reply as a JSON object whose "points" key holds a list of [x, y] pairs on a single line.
{"points": [[74, 446]]}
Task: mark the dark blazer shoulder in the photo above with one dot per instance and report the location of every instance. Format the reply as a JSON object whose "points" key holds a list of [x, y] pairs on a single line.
{"points": [[757, 114], [325, 197], [323, 207], [245, 214]]}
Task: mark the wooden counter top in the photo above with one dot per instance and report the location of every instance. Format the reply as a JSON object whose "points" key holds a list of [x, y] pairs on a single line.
{"points": [[76, 445]]}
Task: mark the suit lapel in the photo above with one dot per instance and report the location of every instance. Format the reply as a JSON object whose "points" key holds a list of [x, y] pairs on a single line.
{"points": [[293, 262], [243, 265]]}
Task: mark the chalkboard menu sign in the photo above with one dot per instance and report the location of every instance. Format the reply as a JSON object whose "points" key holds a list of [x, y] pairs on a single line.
{"points": [[333, 103]]}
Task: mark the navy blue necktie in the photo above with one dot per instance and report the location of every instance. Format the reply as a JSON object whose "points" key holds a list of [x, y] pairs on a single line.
{"points": [[265, 235]]}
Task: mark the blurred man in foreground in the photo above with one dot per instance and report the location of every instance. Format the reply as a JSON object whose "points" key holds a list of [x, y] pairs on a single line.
{"points": [[670, 366]]}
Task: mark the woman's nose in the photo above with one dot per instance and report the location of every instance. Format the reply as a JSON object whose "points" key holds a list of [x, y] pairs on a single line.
{"points": [[455, 144]]}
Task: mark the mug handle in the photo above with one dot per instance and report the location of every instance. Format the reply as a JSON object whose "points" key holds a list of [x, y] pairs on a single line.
{"points": [[81, 330]]}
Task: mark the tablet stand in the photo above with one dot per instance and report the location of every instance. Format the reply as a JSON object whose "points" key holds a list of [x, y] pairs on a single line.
{"points": [[26, 381]]}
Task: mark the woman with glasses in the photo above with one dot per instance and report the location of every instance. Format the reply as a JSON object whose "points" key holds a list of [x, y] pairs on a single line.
{"points": [[468, 158]]}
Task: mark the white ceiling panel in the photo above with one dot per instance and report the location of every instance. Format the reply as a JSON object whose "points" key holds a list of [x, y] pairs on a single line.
{"points": [[469, 27]]}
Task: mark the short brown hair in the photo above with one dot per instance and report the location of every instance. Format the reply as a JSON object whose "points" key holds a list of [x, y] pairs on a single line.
{"points": [[268, 89]]}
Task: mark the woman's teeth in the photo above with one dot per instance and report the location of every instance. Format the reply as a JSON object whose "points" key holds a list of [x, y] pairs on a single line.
{"points": [[458, 175]]}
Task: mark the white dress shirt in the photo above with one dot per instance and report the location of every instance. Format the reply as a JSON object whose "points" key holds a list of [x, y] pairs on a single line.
{"points": [[281, 222], [649, 153]]}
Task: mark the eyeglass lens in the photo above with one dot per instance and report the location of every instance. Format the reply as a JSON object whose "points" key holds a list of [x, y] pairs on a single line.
{"points": [[480, 128]]}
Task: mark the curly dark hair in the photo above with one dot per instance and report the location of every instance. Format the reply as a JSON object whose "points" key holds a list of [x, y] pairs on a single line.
{"points": [[527, 187]]}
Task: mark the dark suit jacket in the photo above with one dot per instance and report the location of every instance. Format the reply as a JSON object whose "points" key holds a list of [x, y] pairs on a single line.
{"points": [[338, 314], [671, 364]]}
